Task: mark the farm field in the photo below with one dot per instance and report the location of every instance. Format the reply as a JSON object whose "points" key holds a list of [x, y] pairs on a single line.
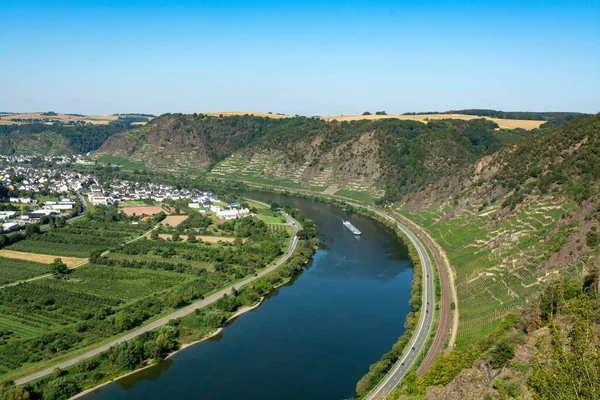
{"points": [[14, 270], [497, 269], [269, 169], [96, 120], [40, 258], [174, 220], [256, 114], [118, 290], [503, 123], [80, 239], [142, 210], [206, 239]]}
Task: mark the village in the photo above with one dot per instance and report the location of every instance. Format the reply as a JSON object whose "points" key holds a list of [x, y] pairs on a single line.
{"points": [[31, 195]]}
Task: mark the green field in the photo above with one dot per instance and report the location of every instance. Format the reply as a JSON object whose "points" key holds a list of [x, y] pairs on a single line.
{"points": [[136, 281], [122, 161], [80, 238], [13, 270], [122, 284], [359, 196]]}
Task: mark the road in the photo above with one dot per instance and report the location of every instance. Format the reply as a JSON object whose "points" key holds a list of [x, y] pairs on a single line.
{"points": [[419, 337], [446, 322], [177, 314]]}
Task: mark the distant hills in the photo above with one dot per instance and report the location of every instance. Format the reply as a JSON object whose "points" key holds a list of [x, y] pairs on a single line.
{"points": [[366, 158]]}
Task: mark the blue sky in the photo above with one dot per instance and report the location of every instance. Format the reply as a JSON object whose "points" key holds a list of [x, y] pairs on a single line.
{"points": [[304, 57]]}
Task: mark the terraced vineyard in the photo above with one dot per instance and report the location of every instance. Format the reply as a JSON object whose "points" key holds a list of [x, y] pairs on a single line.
{"points": [[272, 169], [498, 265]]}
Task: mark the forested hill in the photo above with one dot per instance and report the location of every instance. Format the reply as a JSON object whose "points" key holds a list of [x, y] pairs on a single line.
{"points": [[58, 138], [365, 158], [521, 228]]}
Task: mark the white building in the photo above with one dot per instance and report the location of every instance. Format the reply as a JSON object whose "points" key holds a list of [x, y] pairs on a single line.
{"points": [[9, 226]]}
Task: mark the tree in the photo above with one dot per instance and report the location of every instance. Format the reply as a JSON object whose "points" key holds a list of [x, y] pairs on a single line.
{"points": [[12, 392], [32, 230], [214, 319], [380, 113], [60, 388], [95, 255], [501, 354], [154, 234], [58, 268], [366, 113]]}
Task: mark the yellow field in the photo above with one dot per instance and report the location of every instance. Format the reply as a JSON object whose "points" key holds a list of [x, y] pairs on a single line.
{"points": [[41, 258], [503, 123], [256, 114], [174, 220], [93, 119]]}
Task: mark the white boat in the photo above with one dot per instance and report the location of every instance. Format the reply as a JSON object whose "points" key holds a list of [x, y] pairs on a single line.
{"points": [[351, 227]]}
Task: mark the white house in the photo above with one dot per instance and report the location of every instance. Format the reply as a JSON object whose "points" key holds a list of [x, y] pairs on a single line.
{"points": [[97, 200], [9, 226]]}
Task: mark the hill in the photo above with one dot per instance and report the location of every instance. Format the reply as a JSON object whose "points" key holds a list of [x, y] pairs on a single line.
{"points": [[361, 159], [513, 224], [57, 138]]}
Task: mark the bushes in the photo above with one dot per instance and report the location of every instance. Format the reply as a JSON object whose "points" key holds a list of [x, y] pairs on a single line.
{"points": [[501, 354], [60, 388]]}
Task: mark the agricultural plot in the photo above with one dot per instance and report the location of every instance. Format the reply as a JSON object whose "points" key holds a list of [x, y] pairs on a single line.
{"points": [[174, 220], [497, 264], [13, 270], [120, 284], [164, 263], [80, 239], [40, 258], [268, 169], [142, 210]]}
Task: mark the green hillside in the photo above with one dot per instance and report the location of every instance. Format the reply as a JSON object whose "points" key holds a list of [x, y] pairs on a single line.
{"points": [[363, 159], [513, 224], [57, 139]]}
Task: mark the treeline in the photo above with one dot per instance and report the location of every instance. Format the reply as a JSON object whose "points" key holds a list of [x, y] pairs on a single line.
{"points": [[546, 161], [526, 115], [80, 138]]}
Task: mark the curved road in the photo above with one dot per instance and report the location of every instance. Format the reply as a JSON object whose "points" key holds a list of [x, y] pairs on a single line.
{"points": [[445, 320], [177, 314], [419, 337]]}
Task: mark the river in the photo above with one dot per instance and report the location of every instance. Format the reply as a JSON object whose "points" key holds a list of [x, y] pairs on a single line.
{"points": [[311, 339]]}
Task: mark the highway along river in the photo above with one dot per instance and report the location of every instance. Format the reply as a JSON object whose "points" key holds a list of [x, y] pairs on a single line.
{"points": [[312, 339]]}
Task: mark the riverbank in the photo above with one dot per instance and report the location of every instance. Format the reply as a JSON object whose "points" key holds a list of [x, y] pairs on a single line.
{"points": [[181, 348], [106, 365], [359, 286], [186, 345], [428, 346]]}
